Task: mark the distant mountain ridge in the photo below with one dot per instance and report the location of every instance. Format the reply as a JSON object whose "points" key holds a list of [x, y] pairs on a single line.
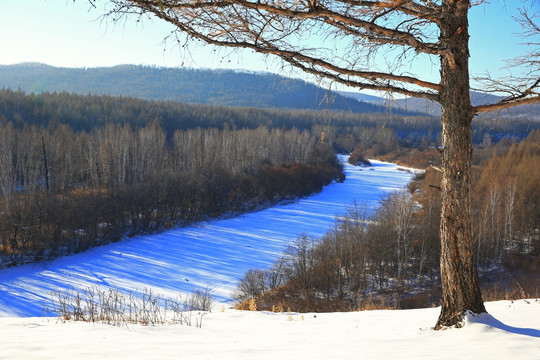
{"points": [[200, 86], [222, 87], [419, 105]]}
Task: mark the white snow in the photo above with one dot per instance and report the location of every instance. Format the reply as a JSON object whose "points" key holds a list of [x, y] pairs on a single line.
{"points": [[509, 332], [217, 254]]}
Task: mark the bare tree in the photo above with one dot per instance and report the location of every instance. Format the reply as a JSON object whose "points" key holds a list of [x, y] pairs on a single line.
{"points": [[340, 40], [509, 207], [399, 207], [7, 170]]}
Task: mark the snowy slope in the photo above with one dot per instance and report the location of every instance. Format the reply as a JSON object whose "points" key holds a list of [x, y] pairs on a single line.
{"points": [[510, 331], [214, 254]]}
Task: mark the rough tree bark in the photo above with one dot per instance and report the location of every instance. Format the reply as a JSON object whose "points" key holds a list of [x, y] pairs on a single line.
{"points": [[434, 28], [459, 277]]}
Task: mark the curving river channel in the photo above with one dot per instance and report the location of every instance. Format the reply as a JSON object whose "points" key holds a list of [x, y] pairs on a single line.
{"points": [[214, 254]]}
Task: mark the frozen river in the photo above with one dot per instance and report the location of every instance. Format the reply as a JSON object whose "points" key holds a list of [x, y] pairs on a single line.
{"points": [[214, 254]]}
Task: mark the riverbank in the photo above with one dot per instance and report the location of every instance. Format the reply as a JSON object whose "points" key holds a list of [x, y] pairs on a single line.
{"points": [[210, 254]]}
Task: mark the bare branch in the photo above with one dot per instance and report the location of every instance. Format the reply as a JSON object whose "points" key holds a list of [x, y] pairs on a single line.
{"points": [[505, 104], [430, 13], [522, 89], [264, 27], [364, 85], [296, 10]]}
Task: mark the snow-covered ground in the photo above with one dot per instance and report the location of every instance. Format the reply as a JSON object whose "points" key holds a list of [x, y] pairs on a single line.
{"points": [[510, 331], [214, 254]]}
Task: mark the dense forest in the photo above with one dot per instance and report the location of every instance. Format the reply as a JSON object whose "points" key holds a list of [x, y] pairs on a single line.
{"points": [[345, 130], [63, 192], [391, 259]]}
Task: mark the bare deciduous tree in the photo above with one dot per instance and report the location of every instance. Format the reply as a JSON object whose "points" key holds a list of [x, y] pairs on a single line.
{"points": [[8, 181], [341, 40], [399, 207]]}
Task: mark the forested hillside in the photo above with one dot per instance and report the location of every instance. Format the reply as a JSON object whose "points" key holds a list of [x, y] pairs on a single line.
{"points": [[342, 129], [196, 86]]}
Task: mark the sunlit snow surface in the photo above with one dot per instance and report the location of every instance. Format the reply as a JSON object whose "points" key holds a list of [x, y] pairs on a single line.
{"points": [[509, 331], [214, 254]]}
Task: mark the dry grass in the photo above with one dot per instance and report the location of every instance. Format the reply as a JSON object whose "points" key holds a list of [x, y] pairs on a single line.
{"points": [[285, 297], [252, 305], [377, 303], [113, 307], [507, 291]]}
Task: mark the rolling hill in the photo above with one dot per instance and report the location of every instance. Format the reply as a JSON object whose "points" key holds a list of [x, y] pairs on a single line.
{"points": [[194, 86]]}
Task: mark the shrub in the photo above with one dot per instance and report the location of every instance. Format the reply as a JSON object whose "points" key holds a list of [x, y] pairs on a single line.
{"points": [[357, 158], [250, 286]]}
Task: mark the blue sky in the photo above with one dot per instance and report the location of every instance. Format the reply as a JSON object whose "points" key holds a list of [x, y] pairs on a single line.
{"points": [[70, 34]]}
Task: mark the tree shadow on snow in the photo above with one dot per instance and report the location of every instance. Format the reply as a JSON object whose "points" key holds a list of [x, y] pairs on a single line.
{"points": [[490, 321]]}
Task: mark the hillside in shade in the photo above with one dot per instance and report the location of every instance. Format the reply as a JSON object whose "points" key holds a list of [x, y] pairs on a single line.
{"points": [[196, 86], [418, 105]]}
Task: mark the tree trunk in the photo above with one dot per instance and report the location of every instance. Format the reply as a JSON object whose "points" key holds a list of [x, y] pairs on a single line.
{"points": [[46, 171], [461, 291]]}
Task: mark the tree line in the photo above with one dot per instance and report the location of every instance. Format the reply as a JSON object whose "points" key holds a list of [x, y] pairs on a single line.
{"points": [[62, 191], [393, 254], [344, 130]]}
